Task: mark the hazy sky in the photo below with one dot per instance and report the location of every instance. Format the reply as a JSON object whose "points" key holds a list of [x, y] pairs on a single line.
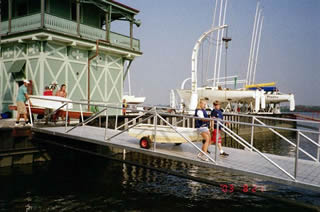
{"points": [[289, 49]]}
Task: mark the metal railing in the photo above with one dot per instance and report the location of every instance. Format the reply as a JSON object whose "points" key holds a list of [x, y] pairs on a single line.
{"points": [[155, 114], [254, 118], [33, 21]]}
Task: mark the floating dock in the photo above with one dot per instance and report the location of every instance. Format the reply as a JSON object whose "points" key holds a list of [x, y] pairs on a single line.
{"points": [[239, 161]]}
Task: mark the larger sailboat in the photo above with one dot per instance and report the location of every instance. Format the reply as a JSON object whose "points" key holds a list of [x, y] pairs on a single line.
{"points": [[251, 98]]}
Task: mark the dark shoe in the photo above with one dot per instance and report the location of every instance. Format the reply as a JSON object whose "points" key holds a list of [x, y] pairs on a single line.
{"points": [[224, 154]]}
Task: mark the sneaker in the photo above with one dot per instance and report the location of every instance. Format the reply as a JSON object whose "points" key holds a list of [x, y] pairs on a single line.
{"points": [[203, 157], [17, 125], [224, 154], [28, 125]]}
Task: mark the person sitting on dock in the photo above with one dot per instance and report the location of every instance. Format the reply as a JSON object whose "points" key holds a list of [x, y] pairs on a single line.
{"points": [[203, 127], [217, 113], [21, 107]]}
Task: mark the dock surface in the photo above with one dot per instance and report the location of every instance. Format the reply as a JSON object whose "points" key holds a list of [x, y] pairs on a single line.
{"points": [[239, 161]]}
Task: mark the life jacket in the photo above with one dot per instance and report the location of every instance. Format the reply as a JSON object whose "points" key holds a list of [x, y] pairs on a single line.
{"points": [[199, 122]]}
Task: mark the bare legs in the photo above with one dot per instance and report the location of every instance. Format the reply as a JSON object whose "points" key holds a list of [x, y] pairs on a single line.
{"points": [[207, 138], [24, 116]]}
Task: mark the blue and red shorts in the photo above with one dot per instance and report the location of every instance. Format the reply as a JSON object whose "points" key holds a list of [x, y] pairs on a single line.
{"points": [[214, 136]]}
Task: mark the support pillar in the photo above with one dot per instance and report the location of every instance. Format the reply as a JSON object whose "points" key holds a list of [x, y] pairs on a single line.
{"points": [[108, 23], [131, 33], [78, 17], [42, 13], [9, 15]]}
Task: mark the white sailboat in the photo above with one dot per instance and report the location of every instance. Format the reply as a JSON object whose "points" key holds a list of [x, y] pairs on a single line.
{"points": [[255, 98], [130, 99]]}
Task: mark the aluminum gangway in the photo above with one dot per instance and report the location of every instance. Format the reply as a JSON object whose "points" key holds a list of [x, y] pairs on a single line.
{"points": [[294, 170]]}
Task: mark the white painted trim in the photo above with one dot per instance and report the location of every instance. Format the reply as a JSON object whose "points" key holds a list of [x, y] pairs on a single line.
{"points": [[90, 45]]}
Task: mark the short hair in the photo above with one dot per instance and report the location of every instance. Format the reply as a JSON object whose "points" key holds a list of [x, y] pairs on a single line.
{"points": [[47, 87], [216, 103]]}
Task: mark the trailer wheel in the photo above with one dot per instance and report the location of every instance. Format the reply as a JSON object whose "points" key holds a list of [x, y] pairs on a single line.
{"points": [[145, 142], [177, 144]]}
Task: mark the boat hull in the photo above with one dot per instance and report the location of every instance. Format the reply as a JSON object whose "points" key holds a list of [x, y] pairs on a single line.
{"points": [[224, 96], [165, 134], [51, 102]]}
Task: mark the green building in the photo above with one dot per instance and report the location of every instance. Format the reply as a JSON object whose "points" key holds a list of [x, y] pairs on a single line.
{"points": [[68, 42]]}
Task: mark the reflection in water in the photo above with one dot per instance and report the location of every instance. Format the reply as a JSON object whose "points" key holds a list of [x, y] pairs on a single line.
{"points": [[89, 183]]}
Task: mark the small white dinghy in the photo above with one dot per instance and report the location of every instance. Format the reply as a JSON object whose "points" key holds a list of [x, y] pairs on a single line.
{"points": [[51, 102], [165, 134]]}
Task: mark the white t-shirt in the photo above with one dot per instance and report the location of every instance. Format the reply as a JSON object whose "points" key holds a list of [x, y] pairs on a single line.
{"points": [[200, 114]]}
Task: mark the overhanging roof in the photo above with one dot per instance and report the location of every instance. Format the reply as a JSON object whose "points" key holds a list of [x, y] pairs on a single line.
{"points": [[16, 66], [119, 10], [123, 5]]}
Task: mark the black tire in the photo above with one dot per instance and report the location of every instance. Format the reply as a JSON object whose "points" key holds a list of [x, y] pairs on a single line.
{"points": [[177, 144], [145, 142]]}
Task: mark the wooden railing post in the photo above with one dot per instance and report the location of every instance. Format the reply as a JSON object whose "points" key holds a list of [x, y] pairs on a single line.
{"points": [[42, 13], [78, 17], [9, 15]]}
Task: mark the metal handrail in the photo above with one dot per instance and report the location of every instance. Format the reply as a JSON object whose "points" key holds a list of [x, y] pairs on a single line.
{"points": [[183, 119], [30, 114], [139, 122], [287, 140], [53, 112], [235, 139], [261, 154], [185, 138], [177, 115], [239, 139], [132, 120], [274, 118], [189, 116], [312, 141], [87, 120], [246, 123]]}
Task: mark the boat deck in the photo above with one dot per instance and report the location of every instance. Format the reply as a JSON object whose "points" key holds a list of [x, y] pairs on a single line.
{"points": [[239, 161]]}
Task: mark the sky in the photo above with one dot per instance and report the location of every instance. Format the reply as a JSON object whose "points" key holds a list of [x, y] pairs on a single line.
{"points": [[289, 49]]}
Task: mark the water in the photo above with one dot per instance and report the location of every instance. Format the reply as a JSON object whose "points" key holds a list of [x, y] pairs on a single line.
{"points": [[94, 184], [75, 181]]}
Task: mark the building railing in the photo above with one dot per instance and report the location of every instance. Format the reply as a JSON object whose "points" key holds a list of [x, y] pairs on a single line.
{"points": [[4, 27], [60, 24], [25, 23], [66, 26], [155, 115]]}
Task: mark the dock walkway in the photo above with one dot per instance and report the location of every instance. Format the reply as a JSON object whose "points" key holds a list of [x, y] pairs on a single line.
{"points": [[239, 161]]}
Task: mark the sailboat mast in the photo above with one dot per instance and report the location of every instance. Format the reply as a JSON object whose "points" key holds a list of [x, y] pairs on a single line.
{"points": [[254, 47], [257, 54], [220, 51], [217, 47], [252, 39], [211, 38]]}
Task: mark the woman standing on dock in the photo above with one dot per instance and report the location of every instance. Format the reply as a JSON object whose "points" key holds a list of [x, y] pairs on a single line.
{"points": [[203, 127]]}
